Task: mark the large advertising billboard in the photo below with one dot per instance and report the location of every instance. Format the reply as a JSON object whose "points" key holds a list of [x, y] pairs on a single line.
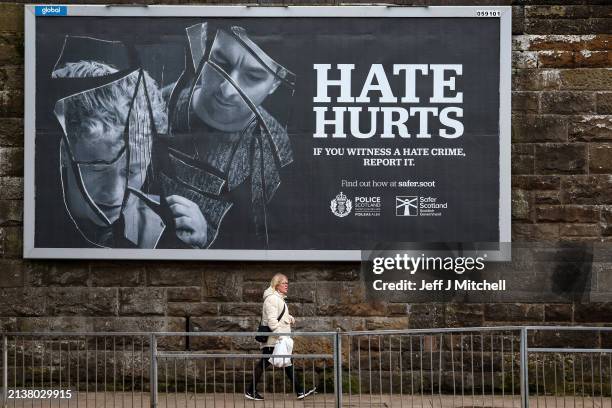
{"points": [[298, 133]]}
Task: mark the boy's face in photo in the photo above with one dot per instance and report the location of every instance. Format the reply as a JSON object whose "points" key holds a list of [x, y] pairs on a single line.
{"points": [[105, 183], [222, 105]]}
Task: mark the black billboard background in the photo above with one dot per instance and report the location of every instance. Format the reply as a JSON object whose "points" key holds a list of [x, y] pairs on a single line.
{"points": [[299, 215]]}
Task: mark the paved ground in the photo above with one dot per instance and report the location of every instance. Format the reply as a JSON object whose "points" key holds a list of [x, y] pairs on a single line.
{"points": [[137, 400]]}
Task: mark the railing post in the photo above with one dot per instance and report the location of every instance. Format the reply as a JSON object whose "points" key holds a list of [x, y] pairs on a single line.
{"points": [[153, 374], [4, 371], [338, 369], [524, 370]]}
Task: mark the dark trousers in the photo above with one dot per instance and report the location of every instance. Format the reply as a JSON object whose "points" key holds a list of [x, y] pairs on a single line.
{"points": [[262, 364]]}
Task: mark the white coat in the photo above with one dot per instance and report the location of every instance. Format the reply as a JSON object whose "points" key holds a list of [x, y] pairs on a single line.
{"points": [[273, 303]]}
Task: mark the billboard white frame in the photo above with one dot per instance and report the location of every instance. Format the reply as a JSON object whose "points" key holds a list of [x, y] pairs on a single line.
{"points": [[504, 13]]}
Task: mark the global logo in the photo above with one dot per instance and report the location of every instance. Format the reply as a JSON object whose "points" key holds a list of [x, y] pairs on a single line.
{"points": [[51, 11], [341, 205]]}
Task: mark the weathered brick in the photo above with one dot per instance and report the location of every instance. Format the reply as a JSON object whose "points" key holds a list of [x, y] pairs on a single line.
{"points": [[567, 213], [11, 160], [593, 312], [192, 309], [535, 79], [22, 302], [184, 294], [555, 59], [11, 132], [567, 26], [57, 273], [223, 324], [398, 309], [599, 158], [167, 274], [534, 232], [246, 309], [558, 313], [579, 230], [571, 59], [593, 59], [606, 221], [523, 159], [560, 159], [317, 272], [518, 19], [142, 301], [547, 197], [604, 103], [11, 188], [426, 315], [521, 42], [528, 102], [590, 128], [11, 212], [536, 182], [587, 189], [339, 292], [464, 315], [11, 273], [600, 42], [602, 272], [595, 79], [11, 77], [133, 324], [104, 273], [505, 312], [353, 309], [253, 292], [524, 59], [301, 292], [222, 287], [11, 102], [563, 11], [568, 102], [11, 17], [11, 240], [11, 49], [55, 324], [394, 323], [521, 210], [539, 128], [82, 301]]}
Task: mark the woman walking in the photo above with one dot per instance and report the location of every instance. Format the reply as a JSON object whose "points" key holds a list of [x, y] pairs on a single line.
{"points": [[275, 315]]}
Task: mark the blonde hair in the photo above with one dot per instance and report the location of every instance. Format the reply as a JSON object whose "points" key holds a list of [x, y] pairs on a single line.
{"points": [[276, 279]]}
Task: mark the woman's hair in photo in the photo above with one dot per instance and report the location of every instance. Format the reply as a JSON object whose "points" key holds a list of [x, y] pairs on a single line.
{"points": [[276, 279]]}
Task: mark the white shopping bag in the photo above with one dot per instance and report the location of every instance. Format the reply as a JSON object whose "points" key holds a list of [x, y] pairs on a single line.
{"points": [[283, 347]]}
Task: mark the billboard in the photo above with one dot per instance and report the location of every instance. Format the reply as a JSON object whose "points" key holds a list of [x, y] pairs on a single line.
{"points": [[297, 133]]}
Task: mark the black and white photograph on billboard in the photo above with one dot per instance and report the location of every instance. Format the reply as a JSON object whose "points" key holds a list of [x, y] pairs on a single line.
{"points": [[163, 135]]}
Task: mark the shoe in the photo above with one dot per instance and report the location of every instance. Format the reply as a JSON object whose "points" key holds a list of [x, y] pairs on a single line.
{"points": [[302, 395], [253, 395]]}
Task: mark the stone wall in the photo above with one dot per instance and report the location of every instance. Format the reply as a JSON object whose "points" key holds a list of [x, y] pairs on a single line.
{"points": [[561, 186]]}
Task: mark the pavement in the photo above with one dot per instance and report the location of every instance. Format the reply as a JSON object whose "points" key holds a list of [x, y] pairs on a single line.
{"points": [[319, 400]]}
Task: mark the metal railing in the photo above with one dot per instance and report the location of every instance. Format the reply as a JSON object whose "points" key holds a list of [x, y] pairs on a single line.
{"points": [[506, 366]]}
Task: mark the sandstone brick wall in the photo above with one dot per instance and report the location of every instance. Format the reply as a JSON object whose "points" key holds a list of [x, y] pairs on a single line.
{"points": [[561, 189]]}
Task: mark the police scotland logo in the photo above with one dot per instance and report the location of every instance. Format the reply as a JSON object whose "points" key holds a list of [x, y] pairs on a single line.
{"points": [[341, 206]]}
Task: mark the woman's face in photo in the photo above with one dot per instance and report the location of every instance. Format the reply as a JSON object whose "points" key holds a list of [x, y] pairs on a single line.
{"points": [[283, 286], [222, 105]]}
